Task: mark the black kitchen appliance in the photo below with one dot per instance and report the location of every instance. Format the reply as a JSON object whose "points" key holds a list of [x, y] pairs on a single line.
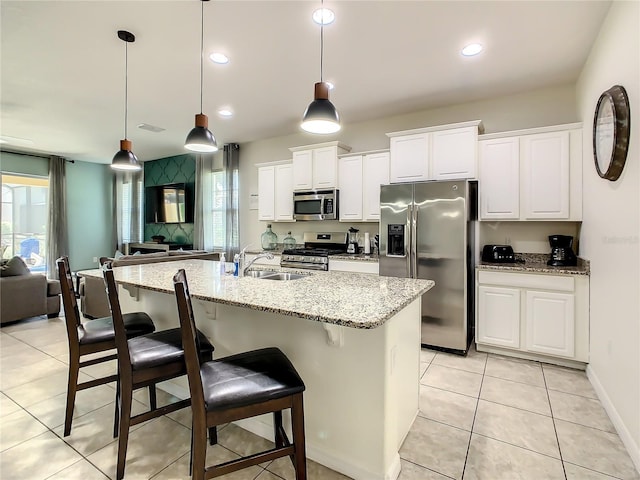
{"points": [[498, 254], [561, 251]]}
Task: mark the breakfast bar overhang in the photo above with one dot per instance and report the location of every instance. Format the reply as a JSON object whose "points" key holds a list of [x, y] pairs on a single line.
{"points": [[354, 339]]}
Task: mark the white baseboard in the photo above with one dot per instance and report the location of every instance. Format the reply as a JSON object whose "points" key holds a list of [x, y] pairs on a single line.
{"points": [[632, 447]]}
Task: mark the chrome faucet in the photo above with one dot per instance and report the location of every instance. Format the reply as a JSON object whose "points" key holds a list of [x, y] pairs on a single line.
{"points": [[244, 269]]}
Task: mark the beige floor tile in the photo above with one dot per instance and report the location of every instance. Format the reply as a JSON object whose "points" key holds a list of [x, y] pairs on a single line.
{"points": [[42, 388], [7, 406], [103, 369], [491, 459], [516, 370], [41, 324], [19, 427], [580, 410], [21, 374], [426, 355], [151, 448], [284, 469], [51, 411], [55, 331], [81, 470], [453, 380], [6, 340], [438, 447], [423, 368], [472, 362], [241, 441], [411, 471], [447, 407], [595, 450], [20, 355], [517, 427], [575, 472], [568, 380], [515, 394], [56, 349], [267, 475], [41, 456]]}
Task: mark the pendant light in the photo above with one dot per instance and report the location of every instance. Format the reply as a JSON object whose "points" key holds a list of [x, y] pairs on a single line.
{"points": [[321, 116], [125, 158], [200, 139]]}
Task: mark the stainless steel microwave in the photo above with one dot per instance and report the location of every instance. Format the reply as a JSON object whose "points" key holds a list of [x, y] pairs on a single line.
{"points": [[316, 205]]}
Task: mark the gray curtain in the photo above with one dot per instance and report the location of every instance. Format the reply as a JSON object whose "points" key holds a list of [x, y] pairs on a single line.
{"points": [[231, 162], [198, 215], [57, 227]]}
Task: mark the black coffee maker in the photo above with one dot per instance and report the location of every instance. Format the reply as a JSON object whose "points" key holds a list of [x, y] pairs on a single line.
{"points": [[561, 252]]}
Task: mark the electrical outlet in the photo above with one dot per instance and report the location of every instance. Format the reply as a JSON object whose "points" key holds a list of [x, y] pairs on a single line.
{"points": [[95, 259], [507, 240]]}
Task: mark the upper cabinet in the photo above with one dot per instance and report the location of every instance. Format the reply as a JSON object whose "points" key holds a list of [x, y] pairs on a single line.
{"points": [[445, 152], [360, 178], [315, 167], [275, 192], [532, 174]]}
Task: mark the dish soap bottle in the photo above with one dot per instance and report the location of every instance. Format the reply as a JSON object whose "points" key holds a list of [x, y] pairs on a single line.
{"points": [[289, 242], [269, 239]]}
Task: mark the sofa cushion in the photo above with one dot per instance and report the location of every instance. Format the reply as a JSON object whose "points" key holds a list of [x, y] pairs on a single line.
{"points": [[13, 268], [53, 288]]}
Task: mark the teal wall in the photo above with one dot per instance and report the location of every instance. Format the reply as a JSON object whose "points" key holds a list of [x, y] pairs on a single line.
{"points": [[89, 199], [178, 169], [89, 213]]}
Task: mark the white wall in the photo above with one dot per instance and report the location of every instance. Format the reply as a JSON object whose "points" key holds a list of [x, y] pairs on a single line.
{"points": [[544, 107], [611, 228]]}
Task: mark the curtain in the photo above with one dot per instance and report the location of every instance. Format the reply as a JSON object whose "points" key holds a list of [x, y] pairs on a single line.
{"points": [[231, 160], [202, 218], [57, 227], [128, 208]]}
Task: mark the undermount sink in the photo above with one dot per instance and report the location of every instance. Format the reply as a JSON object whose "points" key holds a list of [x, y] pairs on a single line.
{"points": [[271, 275]]}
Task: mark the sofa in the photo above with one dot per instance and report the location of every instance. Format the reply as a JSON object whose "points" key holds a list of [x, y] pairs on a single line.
{"points": [[93, 297], [24, 294]]}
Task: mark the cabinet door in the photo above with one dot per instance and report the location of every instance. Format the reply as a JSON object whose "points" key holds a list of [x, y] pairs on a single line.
{"points": [[283, 193], [266, 193], [375, 172], [499, 178], [325, 168], [498, 319], [350, 174], [545, 175], [303, 170], [454, 153], [550, 323], [409, 158]]}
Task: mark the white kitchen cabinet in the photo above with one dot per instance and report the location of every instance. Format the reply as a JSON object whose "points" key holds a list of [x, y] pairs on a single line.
{"points": [[360, 179], [533, 174], [499, 178], [275, 193], [536, 316], [350, 173], [315, 167], [444, 152], [499, 316], [375, 172], [454, 153]]}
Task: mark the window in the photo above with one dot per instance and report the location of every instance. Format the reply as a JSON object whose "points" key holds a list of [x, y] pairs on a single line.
{"points": [[129, 208], [24, 219], [215, 206]]}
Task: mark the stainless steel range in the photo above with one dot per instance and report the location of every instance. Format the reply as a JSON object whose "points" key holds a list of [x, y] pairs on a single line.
{"points": [[316, 251]]}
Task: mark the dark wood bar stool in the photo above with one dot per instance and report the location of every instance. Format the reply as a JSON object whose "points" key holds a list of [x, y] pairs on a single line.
{"points": [[145, 361], [91, 337], [236, 387]]}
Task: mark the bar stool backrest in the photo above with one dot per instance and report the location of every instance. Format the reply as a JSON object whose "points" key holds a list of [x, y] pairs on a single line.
{"points": [[122, 346]]}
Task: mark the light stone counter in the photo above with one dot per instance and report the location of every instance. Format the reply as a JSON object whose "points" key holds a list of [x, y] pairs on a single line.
{"points": [[348, 299]]}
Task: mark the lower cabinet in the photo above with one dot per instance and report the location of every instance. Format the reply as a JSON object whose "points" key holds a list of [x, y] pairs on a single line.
{"points": [[533, 315], [356, 266]]}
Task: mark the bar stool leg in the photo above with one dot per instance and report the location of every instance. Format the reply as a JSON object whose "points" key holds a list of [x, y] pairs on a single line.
{"points": [[126, 395], [72, 385], [297, 425]]}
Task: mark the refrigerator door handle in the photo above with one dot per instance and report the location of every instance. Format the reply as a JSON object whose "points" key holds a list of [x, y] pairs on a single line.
{"points": [[409, 241], [414, 241]]}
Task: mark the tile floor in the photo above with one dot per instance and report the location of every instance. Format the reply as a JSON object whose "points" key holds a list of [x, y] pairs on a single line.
{"points": [[481, 417]]}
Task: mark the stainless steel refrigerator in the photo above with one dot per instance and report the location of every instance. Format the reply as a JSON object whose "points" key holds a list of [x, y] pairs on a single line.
{"points": [[427, 230]]}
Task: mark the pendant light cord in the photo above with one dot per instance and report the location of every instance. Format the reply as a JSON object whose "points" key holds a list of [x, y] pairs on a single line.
{"points": [[126, 87], [321, 37], [201, 48]]}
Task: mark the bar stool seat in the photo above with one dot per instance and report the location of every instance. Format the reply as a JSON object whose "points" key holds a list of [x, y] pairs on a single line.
{"points": [[163, 348], [101, 329]]}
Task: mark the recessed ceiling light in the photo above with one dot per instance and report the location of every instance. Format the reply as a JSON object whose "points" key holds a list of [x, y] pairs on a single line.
{"points": [[217, 57], [471, 49], [225, 112], [150, 128], [323, 16]]}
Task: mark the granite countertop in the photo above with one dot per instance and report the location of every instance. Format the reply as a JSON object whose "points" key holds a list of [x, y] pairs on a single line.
{"points": [[536, 263], [349, 299]]}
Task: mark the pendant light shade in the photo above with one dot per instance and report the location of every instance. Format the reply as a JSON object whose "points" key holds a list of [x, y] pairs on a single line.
{"points": [[200, 139], [125, 159], [321, 116]]}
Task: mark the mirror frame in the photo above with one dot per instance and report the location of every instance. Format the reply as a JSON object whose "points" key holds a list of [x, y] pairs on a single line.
{"points": [[619, 100]]}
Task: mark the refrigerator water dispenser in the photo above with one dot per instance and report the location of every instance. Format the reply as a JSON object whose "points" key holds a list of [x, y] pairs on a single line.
{"points": [[395, 245]]}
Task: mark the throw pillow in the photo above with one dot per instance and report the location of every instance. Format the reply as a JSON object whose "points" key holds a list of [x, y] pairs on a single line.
{"points": [[14, 267], [118, 254]]}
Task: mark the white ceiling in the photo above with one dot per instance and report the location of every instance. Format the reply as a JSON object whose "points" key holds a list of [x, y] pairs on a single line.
{"points": [[62, 75]]}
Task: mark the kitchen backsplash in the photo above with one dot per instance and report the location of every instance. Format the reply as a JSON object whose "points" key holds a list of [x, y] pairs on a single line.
{"points": [[529, 237]]}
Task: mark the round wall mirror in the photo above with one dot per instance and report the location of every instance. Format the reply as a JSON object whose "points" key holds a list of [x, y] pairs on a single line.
{"points": [[611, 132]]}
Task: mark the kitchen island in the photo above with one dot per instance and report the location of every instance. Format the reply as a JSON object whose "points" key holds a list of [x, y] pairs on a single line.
{"points": [[354, 339]]}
